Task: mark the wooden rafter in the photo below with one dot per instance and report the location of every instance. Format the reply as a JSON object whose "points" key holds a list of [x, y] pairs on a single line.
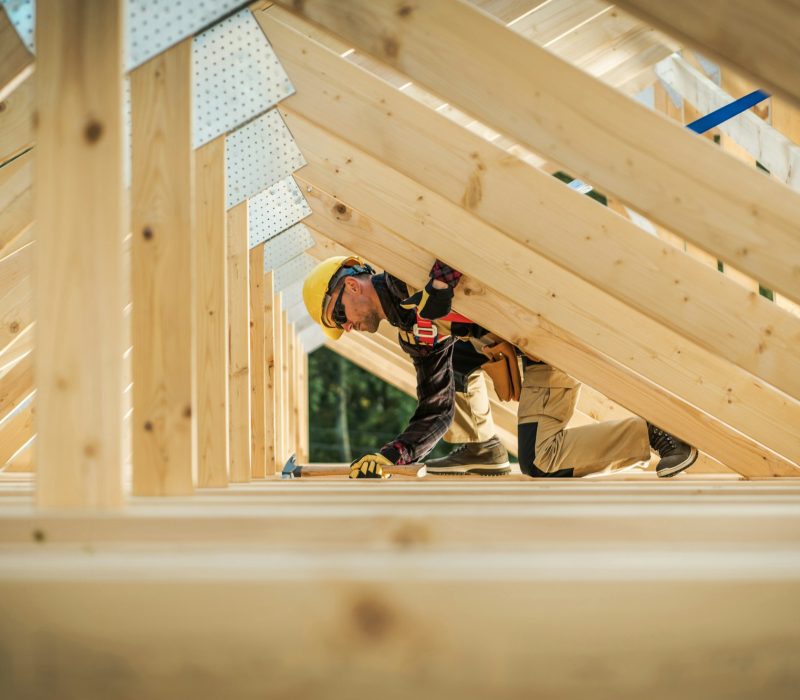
{"points": [[721, 205]]}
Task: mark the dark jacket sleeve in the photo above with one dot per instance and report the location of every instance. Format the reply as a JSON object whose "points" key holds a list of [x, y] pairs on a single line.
{"points": [[435, 403]]}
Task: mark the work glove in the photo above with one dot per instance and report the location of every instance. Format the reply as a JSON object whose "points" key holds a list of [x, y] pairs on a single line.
{"points": [[430, 303], [369, 466]]}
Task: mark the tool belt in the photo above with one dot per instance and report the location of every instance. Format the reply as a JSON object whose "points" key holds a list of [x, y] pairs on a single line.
{"points": [[503, 369]]}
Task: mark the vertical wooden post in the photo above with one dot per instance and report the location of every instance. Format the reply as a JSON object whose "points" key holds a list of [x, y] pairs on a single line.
{"points": [[211, 316], [301, 422], [78, 207], [292, 374], [280, 413], [286, 408], [239, 342], [162, 212], [270, 455], [258, 422]]}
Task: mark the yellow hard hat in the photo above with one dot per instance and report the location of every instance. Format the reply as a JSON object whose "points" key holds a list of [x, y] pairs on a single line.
{"points": [[320, 283]]}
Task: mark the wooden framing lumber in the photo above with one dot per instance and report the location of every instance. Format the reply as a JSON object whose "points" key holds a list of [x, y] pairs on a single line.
{"points": [[79, 231], [281, 449], [17, 385], [269, 374], [403, 256], [16, 130], [508, 11], [481, 177], [286, 379], [16, 294], [303, 416], [556, 297], [615, 143], [293, 376], [763, 142], [552, 20], [211, 319], [258, 420], [239, 343], [16, 62], [757, 39], [14, 433], [162, 212], [16, 202]]}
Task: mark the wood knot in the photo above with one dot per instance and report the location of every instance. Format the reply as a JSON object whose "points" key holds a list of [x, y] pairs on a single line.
{"points": [[2, 106], [187, 412], [14, 326], [372, 618], [391, 47], [405, 11], [148, 426], [38, 536], [93, 131], [147, 233], [90, 449]]}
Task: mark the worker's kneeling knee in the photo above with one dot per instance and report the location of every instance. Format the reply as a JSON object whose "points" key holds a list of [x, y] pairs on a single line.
{"points": [[526, 444]]}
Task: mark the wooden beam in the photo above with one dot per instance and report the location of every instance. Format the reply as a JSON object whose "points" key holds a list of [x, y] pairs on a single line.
{"points": [[281, 449], [286, 380], [16, 129], [15, 432], [258, 418], [239, 343], [763, 142], [16, 202], [303, 417], [403, 256], [508, 11], [17, 385], [211, 321], [757, 39], [292, 408], [16, 62], [16, 294], [79, 214], [162, 194], [601, 135], [556, 297], [555, 18], [270, 330], [481, 177]]}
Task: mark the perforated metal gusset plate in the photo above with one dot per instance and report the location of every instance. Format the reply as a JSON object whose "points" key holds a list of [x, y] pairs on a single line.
{"points": [[21, 13], [235, 77], [258, 155], [287, 245], [155, 25], [295, 270], [292, 294], [275, 209]]}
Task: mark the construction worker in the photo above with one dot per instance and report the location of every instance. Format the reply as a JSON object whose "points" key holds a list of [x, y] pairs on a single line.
{"points": [[344, 294]]}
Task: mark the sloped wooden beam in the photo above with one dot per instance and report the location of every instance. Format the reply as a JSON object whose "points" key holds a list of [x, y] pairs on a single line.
{"points": [[779, 154], [211, 316], [162, 203], [600, 134], [16, 62], [556, 18], [16, 129], [593, 317], [592, 241], [404, 256], [16, 203], [79, 232], [16, 294], [508, 10], [758, 39]]}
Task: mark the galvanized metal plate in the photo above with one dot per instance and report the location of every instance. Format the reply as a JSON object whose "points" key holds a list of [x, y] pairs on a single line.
{"points": [[236, 76], [22, 14], [287, 245], [293, 271], [155, 25], [275, 209], [258, 155]]}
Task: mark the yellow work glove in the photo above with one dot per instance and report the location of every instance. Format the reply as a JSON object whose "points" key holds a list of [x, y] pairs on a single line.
{"points": [[369, 467]]}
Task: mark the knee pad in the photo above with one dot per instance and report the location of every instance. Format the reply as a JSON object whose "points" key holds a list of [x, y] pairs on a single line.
{"points": [[526, 451]]}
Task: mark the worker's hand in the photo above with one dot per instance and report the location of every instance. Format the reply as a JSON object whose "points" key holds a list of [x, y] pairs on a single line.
{"points": [[369, 466], [432, 302]]}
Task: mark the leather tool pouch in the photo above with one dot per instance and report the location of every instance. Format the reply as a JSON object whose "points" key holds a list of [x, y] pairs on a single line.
{"points": [[503, 370]]}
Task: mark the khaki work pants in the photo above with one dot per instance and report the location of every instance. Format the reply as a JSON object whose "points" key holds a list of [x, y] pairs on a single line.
{"points": [[548, 448], [473, 420]]}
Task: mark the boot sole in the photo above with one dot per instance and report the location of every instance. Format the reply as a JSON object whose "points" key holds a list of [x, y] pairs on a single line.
{"points": [[678, 468], [479, 469]]}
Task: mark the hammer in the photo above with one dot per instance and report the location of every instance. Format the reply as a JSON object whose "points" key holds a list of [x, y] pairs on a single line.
{"points": [[293, 470]]}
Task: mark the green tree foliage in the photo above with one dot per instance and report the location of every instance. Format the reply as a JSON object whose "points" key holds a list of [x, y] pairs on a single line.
{"points": [[352, 412]]}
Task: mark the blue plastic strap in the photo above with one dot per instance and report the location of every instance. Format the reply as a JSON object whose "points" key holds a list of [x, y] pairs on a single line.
{"points": [[715, 118]]}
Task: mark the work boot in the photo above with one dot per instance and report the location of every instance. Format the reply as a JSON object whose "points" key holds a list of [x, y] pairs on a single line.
{"points": [[488, 458], [675, 454]]}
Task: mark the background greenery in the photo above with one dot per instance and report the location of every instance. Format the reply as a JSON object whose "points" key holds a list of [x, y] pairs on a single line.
{"points": [[352, 412]]}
